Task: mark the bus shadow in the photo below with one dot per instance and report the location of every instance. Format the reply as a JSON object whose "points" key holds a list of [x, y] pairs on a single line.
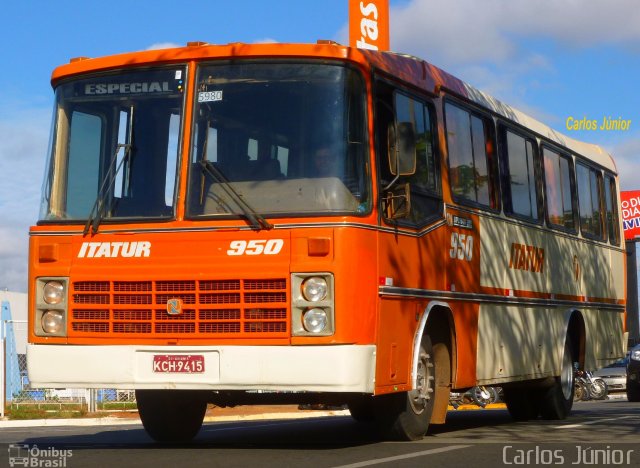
{"points": [[311, 433], [337, 432]]}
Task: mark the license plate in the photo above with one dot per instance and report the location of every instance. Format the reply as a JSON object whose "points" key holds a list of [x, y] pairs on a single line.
{"points": [[178, 363]]}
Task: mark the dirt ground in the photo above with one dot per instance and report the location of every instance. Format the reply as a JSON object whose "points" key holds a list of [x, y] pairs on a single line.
{"points": [[239, 411]]}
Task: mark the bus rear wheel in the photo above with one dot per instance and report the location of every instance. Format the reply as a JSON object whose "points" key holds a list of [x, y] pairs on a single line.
{"points": [[406, 416], [171, 415], [556, 401]]}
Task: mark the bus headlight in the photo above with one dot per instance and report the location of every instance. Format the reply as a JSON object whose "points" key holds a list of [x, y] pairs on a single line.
{"points": [[51, 306], [314, 320], [53, 292], [52, 321], [313, 304], [635, 354], [314, 289]]}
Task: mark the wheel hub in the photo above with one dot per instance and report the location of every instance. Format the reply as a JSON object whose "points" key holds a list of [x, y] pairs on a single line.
{"points": [[420, 396]]}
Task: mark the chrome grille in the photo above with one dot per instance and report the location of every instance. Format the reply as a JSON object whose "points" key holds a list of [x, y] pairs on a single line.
{"points": [[229, 308]]}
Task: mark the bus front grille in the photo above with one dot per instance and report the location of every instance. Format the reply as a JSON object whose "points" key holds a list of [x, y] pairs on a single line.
{"points": [[230, 308]]}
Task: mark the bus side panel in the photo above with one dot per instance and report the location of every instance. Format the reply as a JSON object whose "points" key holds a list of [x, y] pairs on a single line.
{"points": [[356, 285], [398, 322], [424, 263], [530, 267], [604, 341], [463, 257], [465, 318], [518, 342]]}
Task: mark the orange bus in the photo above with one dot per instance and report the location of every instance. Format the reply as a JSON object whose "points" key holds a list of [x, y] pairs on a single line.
{"points": [[312, 223]]}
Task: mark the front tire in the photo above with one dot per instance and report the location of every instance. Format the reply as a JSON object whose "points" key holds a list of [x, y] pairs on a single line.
{"points": [[406, 416], [171, 415], [362, 409], [599, 389]]}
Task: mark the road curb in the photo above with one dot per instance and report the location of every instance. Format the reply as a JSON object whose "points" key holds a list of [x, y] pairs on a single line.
{"points": [[111, 421], [67, 422], [259, 417], [476, 407]]}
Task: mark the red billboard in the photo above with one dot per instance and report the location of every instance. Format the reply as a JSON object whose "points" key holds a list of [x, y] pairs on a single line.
{"points": [[630, 201], [369, 24]]}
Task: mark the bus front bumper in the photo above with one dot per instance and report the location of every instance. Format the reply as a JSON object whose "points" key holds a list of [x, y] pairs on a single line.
{"points": [[340, 368]]}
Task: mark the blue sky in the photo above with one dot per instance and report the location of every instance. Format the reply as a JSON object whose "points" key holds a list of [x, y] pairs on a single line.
{"points": [[553, 59]]}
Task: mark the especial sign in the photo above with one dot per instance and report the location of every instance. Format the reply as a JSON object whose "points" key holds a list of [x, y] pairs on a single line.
{"points": [[145, 83]]}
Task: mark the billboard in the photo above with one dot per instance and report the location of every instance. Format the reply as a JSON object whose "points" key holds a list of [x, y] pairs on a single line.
{"points": [[630, 202], [369, 24]]}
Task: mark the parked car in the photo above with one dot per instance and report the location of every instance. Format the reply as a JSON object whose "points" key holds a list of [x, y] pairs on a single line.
{"points": [[614, 375], [633, 374]]}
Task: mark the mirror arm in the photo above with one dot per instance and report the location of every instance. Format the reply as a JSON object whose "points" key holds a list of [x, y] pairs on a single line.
{"points": [[392, 183], [393, 205]]}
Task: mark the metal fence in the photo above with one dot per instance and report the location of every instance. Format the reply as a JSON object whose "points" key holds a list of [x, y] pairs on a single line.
{"points": [[18, 397]]}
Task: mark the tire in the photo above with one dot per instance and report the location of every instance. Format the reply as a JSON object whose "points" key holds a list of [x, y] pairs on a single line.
{"points": [[171, 416], [633, 391], [599, 389], [362, 409], [483, 396], [406, 415], [556, 401], [522, 403], [580, 392]]}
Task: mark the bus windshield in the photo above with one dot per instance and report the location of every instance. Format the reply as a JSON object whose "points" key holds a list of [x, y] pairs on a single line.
{"points": [[282, 138], [114, 147]]}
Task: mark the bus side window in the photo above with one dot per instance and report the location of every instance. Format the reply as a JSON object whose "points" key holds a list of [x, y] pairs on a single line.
{"points": [[520, 170], [84, 161], [611, 205], [559, 190], [472, 163], [589, 199], [426, 200]]}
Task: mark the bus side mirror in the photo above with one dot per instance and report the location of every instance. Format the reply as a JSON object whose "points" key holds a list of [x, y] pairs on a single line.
{"points": [[402, 148], [397, 202]]}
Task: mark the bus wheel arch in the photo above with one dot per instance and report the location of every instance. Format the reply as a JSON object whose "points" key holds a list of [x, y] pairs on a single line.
{"points": [[437, 323], [575, 331], [407, 415]]}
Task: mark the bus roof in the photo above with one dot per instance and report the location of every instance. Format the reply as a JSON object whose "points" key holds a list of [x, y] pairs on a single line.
{"points": [[413, 70]]}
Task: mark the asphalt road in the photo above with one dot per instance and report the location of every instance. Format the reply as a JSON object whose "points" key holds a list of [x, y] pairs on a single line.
{"points": [[597, 434]]}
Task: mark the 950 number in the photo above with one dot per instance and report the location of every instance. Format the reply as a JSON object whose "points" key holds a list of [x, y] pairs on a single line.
{"points": [[255, 247], [461, 247]]}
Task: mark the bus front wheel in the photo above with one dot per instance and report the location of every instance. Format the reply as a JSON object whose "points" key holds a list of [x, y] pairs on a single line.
{"points": [[406, 415], [171, 415]]}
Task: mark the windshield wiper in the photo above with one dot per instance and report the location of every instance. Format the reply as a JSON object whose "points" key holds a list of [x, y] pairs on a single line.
{"points": [[97, 211], [256, 220]]}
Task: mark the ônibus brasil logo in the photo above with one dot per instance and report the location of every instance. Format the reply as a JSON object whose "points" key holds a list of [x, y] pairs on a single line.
{"points": [[33, 456]]}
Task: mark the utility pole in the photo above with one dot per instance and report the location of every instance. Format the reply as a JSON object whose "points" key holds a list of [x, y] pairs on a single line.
{"points": [[633, 319]]}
